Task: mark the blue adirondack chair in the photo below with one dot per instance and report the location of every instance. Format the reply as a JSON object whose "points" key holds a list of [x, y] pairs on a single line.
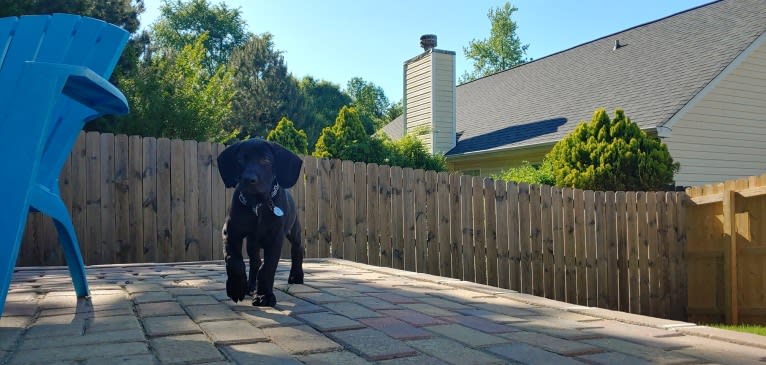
{"points": [[53, 71]]}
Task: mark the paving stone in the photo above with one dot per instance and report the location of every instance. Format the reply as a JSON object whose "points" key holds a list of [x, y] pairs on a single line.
{"points": [[478, 323], [351, 310], [143, 287], [453, 352], [185, 349], [527, 354], [185, 290], [143, 359], [170, 325], [428, 309], [413, 360], [160, 309], [333, 358], [651, 354], [263, 353], [294, 289], [648, 336], [554, 344], [374, 303], [372, 344], [609, 358], [26, 309], [396, 328], [187, 300], [504, 308], [21, 297], [319, 297], [98, 338], [211, 312], [468, 336], [327, 322], [443, 303], [152, 296], [111, 323], [412, 317], [268, 317], [105, 353], [718, 351], [558, 328], [393, 298], [301, 340], [10, 330], [66, 325], [233, 332], [492, 316], [741, 338], [295, 305]]}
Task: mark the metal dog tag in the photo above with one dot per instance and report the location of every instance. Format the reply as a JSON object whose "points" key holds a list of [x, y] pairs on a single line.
{"points": [[278, 212]]}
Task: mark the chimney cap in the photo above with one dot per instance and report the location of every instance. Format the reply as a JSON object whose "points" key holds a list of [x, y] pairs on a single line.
{"points": [[428, 41]]}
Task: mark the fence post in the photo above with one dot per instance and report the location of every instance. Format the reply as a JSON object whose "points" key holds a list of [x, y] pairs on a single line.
{"points": [[730, 256]]}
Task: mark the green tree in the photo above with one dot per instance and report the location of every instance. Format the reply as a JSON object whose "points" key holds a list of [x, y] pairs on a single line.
{"points": [[347, 140], [394, 111], [501, 51], [289, 137], [612, 155], [175, 97], [264, 90], [409, 151], [321, 102], [370, 101], [530, 174], [181, 23]]}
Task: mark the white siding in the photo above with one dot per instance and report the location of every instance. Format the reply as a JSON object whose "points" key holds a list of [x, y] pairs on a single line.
{"points": [[723, 135], [418, 85], [444, 102]]}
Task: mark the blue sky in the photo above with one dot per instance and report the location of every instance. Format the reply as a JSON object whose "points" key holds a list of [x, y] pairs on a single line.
{"points": [[336, 40]]}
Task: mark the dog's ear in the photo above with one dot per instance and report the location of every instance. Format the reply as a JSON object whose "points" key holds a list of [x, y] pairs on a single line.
{"points": [[287, 165], [228, 166]]}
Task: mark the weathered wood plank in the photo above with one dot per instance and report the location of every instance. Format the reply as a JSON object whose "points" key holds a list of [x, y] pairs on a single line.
{"points": [[149, 201], [634, 275], [325, 209], [443, 199], [570, 253], [680, 301], [580, 246], [348, 211], [218, 211], [653, 254], [514, 253], [602, 294], [386, 215], [164, 216], [421, 222], [456, 236], [666, 214], [490, 233], [622, 252], [204, 206], [525, 244], [432, 221], [559, 277], [466, 228], [311, 222], [479, 231], [591, 248], [408, 216], [546, 227], [191, 202], [536, 240], [92, 252], [362, 246], [643, 253], [79, 178], [122, 199], [502, 228], [336, 207], [397, 226], [373, 217], [612, 274], [177, 201], [136, 198]]}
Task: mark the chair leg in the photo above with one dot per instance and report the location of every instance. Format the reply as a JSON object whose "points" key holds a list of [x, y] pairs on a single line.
{"points": [[68, 239], [50, 204]]}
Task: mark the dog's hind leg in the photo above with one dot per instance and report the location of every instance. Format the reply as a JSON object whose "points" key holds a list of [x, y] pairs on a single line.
{"points": [[296, 254]]}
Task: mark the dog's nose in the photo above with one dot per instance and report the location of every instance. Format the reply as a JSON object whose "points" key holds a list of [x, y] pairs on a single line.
{"points": [[252, 181]]}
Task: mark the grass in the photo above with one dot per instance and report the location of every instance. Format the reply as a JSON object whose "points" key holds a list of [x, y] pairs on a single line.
{"points": [[747, 328]]}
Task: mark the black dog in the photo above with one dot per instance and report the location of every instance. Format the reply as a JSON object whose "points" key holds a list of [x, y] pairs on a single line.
{"points": [[263, 212]]}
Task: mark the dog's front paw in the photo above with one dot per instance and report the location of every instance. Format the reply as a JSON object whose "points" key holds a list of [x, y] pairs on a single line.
{"points": [[236, 281], [296, 276], [265, 300]]}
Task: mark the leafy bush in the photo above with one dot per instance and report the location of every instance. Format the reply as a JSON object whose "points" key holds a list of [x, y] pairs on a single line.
{"points": [[612, 155], [347, 140], [409, 151], [528, 173], [289, 137]]}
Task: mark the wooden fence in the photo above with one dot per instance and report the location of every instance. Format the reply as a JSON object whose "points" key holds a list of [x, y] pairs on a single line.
{"points": [[727, 252], [155, 200]]}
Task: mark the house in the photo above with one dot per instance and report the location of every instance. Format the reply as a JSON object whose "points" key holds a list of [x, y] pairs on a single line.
{"points": [[696, 79]]}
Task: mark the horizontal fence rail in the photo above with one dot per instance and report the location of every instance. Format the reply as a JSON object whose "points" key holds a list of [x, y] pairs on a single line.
{"points": [[136, 199]]}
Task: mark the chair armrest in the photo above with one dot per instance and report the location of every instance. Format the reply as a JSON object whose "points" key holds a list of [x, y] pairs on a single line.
{"points": [[87, 87]]}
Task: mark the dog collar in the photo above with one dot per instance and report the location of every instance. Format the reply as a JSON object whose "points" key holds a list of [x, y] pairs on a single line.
{"points": [[274, 209]]}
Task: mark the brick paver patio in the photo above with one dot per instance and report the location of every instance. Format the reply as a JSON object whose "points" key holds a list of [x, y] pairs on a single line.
{"points": [[347, 313]]}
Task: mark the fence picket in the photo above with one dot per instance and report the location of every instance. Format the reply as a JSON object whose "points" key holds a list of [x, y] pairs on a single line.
{"points": [[602, 294], [325, 212], [456, 237], [108, 212], [164, 216], [634, 275], [514, 253], [643, 253], [374, 202], [432, 221], [525, 245], [490, 233], [569, 245], [479, 231], [348, 211], [386, 216], [502, 228], [311, 221], [397, 209], [559, 267], [466, 228], [191, 202], [591, 249], [178, 200], [611, 251], [363, 253], [408, 216], [421, 221], [622, 251], [444, 211], [121, 199], [546, 224]]}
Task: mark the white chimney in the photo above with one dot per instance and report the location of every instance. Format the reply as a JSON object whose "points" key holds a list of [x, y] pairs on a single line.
{"points": [[429, 96]]}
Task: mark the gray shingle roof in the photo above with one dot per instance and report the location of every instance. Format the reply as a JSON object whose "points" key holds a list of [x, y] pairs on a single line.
{"points": [[659, 68]]}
